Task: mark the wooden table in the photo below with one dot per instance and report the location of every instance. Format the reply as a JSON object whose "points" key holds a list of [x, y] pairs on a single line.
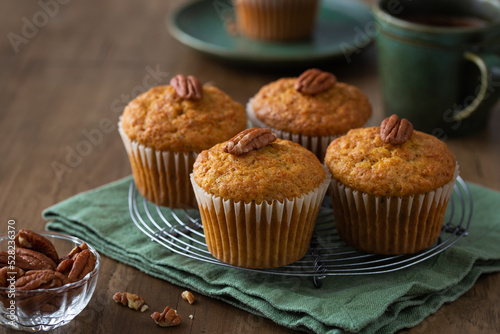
{"points": [[71, 76]]}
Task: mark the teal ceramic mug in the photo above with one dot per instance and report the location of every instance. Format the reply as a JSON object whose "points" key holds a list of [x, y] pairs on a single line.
{"points": [[439, 62]]}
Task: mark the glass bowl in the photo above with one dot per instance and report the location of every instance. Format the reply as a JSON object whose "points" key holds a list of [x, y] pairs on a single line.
{"points": [[46, 309]]}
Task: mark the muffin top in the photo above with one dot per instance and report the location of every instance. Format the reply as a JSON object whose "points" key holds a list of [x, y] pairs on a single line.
{"points": [[161, 119], [363, 162], [331, 112], [280, 170]]}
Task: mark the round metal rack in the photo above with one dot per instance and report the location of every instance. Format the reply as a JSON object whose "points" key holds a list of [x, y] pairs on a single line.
{"points": [[181, 231]]}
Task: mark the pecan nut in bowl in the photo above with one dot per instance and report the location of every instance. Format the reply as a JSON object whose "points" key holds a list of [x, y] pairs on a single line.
{"points": [[65, 266], [44, 298], [34, 241], [40, 279], [74, 251], [8, 275], [83, 264], [28, 259]]}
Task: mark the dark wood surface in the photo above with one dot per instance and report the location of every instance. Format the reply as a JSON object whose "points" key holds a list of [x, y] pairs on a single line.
{"points": [[73, 76]]}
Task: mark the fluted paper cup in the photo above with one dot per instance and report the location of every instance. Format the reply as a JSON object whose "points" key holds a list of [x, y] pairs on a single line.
{"points": [[162, 177], [266, 235], [390, 225], [276, 20], [315, 144]]}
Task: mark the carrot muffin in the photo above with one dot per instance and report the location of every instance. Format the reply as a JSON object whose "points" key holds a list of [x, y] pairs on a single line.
{"points": [[276, 20], [390, 187], [310, 110], [166, 127], [258, 197]]}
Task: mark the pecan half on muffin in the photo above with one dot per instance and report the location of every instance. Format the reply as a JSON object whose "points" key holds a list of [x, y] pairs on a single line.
{"points": [[165, 128]]}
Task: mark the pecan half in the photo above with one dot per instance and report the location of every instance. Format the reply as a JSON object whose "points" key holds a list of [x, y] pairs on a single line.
{"points": [[169, 317], [188, 88], [34, 241], [188, 296], [131, 300], [314, 81], [28, 259], [395, 131], [83, 263], [40, 279], [7, 273], [248, 140], [75, 251], [65, 266]]}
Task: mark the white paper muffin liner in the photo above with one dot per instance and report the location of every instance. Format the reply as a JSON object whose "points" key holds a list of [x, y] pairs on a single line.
{"points": [[276, 20], [389, 225], [162, 177], [315, 144], [266, 235]]}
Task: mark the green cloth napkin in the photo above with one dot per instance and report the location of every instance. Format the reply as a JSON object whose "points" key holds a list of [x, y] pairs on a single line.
{"points": [[381, 303]]}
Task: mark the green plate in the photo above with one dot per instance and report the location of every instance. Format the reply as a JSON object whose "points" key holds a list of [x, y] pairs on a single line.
{"points": [[343, 27]]}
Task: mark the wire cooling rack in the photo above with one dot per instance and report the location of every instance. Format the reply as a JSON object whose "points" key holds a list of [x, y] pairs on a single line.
{"points": [[181, 231]]}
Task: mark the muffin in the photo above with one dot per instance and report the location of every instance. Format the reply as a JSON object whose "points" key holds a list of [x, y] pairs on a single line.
{"points": [[166, 127], [276, 20], [258, 198], [310, 110], [390, 187]]}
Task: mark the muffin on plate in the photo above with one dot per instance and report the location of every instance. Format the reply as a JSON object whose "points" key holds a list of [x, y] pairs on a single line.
{"points": [[166, 127], [390, 187], [259, 198], [276, 20], [310, 110]]}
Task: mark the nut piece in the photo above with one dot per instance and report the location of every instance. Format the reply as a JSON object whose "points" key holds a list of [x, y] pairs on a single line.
{"points": [[40, 279], [169, 317], [6, 274], [249, 139], [131, 300], [75, 251], [188, 296], [28, 259], [187, 88], [65, 266], [83, 263], [34, 241], [395, 131], [314, 81]]}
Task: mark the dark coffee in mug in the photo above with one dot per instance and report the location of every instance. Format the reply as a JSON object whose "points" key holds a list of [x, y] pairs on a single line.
{"points": [[439, 62], [446, 21]]}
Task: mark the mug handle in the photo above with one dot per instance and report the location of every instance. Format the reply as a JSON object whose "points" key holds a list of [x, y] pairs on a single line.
{"points": [[489, 66]]}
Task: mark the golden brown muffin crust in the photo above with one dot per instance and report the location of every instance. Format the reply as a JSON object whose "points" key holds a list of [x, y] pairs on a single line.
{"points": [[332, 112], [280, 170], [361, 160], [160, 119]]}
